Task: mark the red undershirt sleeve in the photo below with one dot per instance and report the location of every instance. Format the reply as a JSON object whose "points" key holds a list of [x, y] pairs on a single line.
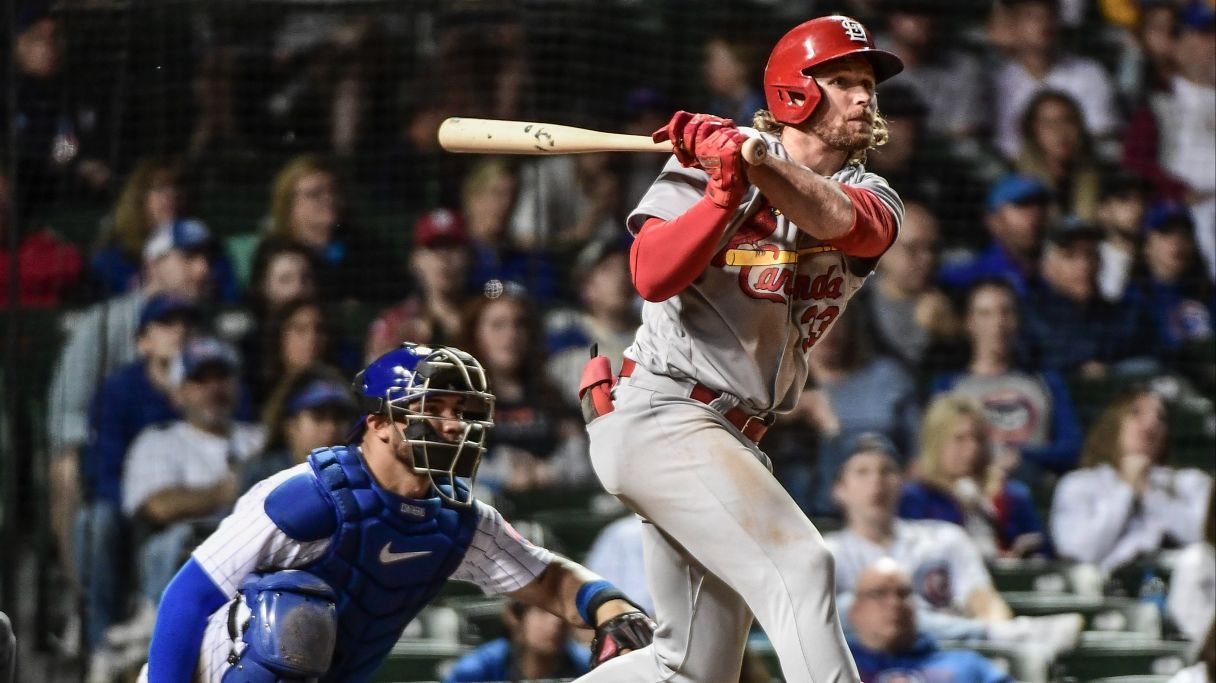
{"points": [[874, 228], [667, 256]]}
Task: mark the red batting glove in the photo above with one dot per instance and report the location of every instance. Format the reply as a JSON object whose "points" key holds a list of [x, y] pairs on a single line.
{"points": [[686, 131], [721, 156]]}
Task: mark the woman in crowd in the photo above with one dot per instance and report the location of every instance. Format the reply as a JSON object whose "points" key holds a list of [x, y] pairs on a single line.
{"points": [[955, 478], [151, 197], [1058, 150], [308, 205], [310, 409], [296, 338], [535, 443], [1125, 500], [282, 271], [1030, 414]]}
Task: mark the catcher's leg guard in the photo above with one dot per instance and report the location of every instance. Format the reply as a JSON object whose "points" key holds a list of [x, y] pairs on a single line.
{"points": [[291, 630]]}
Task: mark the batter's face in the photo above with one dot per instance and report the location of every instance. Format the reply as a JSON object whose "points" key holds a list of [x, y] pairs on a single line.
{"points": [[844, 117]]}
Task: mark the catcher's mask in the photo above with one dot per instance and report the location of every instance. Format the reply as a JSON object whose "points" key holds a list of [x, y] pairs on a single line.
{"points": [[411, 385]]}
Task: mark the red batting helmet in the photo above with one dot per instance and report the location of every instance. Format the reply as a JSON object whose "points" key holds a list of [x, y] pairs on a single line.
{"points": [[791, 93]]}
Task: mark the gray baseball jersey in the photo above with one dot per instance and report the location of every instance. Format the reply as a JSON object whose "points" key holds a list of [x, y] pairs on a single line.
{"points": [[746, 326], [724, 542]]}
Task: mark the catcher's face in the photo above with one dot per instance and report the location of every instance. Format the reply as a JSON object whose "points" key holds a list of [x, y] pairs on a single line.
{"points": [[844, 117], [445, 414]]}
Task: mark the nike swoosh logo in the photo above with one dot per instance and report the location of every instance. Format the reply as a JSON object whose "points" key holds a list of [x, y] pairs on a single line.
{"points": [[389, 557]]}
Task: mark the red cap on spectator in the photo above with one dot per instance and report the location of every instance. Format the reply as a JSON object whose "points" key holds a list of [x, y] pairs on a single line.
{"points": [[440, 228]]}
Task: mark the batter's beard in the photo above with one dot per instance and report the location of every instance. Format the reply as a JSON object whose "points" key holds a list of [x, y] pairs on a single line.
{"points": [[841, 138]]}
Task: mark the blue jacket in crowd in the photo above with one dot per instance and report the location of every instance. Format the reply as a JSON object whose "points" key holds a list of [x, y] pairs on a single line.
{"points": [[1015, 511], [925, 661], [493, 662], [126, 403], [1067, 334], [993, 262]]}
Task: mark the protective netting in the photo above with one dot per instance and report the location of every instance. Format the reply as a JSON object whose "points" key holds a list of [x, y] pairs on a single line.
{"points": [[267, 173]]}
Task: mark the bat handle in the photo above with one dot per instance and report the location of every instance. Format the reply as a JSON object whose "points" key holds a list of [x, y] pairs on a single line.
{"points": [[754, 151]]}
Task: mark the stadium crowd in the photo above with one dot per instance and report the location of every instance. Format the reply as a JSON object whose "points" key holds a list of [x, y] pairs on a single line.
{"points": [[1013, 384]]}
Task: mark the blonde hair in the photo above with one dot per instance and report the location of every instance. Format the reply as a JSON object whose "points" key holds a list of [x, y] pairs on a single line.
{"points": [[940, 419], [283, 189], [482, 173], [131, 224], [765, 122]]}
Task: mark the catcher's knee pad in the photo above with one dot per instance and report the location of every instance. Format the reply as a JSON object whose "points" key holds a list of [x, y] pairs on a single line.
{"points": [[292, 627]]}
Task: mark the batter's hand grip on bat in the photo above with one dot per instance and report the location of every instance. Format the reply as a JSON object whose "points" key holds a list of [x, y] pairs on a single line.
{"points": [[595, 387]]}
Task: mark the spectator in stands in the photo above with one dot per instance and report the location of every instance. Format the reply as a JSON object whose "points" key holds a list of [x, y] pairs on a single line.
{"points": [[487, 197], [1017, 216], [854, 391], [102, 339], [58, 131], [728, 65], [1192, 596], [958, 478], [567, 200], [308, 410], [1171, 140], [1172, 286], [297, 337], [1073, 327], [886, 640], [1120, 215], [955, 596], [150, 198], [308, 206], [1037, 62], [923, 166], [537, 647], [607, 318], [48, 268], [282, 271], [908, 316], [1147, 61], [1057, 150], [618, 555], [1125, 500], [1030, 415], [132, 398], [439, 262], [536, 441], [181, 477], [950, 82]]}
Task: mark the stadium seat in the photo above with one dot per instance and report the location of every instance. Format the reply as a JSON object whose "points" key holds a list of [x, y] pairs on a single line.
{"points": [[418, 660], [1101, 614], [481, 617], [1122, 657], [575, 530]]}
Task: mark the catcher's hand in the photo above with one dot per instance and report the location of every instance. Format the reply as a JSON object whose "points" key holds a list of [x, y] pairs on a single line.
{"points": [[629, 631]]}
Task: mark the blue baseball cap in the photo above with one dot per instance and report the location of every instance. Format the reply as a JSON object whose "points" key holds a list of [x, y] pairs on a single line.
{"points": [[205, 353], [162, 307], [1199, 15], [186, 234], [1168, 216], [321, 393], [1017, 189]]}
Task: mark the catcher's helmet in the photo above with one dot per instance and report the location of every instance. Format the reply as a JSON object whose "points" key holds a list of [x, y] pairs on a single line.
{"points": [[399, 384], [790, 92]]}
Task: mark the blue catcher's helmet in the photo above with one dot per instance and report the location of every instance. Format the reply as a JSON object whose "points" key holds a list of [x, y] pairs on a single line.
{"points": [[399, 384]]}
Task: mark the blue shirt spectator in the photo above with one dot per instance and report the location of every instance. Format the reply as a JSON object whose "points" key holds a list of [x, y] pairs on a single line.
{"points": [[1017, 212], [1015, 510], [887, 643], [1073, 327], [926, 661], [538, 647]]}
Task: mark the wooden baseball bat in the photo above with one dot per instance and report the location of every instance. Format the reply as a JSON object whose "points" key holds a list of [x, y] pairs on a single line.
{"points": [[495, 136]]}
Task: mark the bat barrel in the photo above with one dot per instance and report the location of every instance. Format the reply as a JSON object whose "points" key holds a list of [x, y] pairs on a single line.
{"points": [[489, 136]]}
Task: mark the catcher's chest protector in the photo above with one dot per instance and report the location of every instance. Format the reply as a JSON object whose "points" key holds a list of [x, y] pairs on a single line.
{"points": [[388, 559]]}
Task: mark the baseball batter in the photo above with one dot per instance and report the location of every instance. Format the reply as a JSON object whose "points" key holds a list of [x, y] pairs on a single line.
{"points": [[743, 270], [320, 567]]}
